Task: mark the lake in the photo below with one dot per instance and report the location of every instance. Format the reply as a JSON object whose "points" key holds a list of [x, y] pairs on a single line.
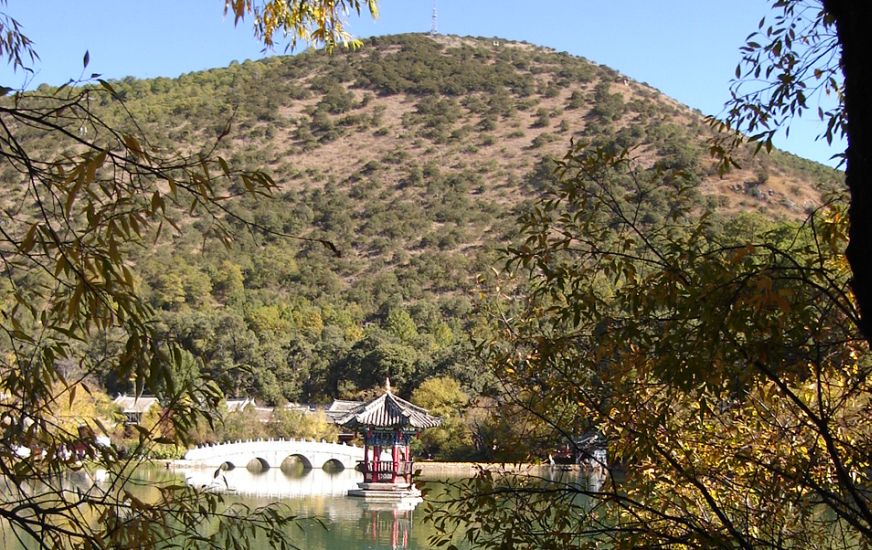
{"points": [[330, 519], [348, 522]]}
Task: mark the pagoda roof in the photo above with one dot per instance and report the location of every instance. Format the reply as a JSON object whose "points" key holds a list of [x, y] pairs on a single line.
{"points": [[388, 411]]}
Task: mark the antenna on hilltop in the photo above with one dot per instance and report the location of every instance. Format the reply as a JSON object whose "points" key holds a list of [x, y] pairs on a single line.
{"points": [[433, 28]]}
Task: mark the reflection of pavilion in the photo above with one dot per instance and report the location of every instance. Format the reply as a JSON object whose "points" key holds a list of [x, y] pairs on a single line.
{"points": [[388, 424], [318, 493], [387, 524]]}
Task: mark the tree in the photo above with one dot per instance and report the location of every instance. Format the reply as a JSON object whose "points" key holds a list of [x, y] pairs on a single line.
{"points": [[724, 368], [727, 370], [442, 396], [813, 50], [850, 19], [378, 357], [241, 425], [82, 407], [82, 187], [401, 325], [313, 21], [294, 423]]}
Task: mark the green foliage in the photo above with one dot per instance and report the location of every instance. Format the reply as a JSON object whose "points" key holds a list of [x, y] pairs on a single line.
{"points": [[450, 441], [421, 68], [416, 243], [607, 106], [576, 100], [401, 325], [412, 216], [336, 100], [241, 425], [228, 284], [794, 71], [377, 358], [543, 118], [86, 188], [290, 424], [694, 352], [442, 396]]}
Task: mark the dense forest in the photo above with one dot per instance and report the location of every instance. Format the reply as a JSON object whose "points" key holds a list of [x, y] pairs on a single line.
{"points": [[401, 171]]}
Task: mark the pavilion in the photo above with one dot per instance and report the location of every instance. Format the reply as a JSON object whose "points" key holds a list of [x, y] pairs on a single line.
{"points": [[388, 424]]}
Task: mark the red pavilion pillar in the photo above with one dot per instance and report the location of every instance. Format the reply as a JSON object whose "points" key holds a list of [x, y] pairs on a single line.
{"points": [[367, 474], [396, 464]]}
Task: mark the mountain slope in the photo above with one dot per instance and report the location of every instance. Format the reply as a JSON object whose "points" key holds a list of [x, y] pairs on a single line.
{"points": [[413, 155]]}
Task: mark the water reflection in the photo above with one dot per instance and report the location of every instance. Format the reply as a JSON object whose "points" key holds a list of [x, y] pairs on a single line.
{"points": [[275, 482], [321, 493], [590, 480], [343, 522], [384, 527]]}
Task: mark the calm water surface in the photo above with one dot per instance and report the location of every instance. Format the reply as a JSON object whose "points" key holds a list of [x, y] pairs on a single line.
{"points": [[329, 520], [348, 522]]}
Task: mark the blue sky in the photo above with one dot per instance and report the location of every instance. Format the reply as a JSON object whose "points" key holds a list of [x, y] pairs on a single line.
{"points": [[686, 48]]}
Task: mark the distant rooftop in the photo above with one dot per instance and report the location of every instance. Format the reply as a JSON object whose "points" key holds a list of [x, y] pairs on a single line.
{"points": [[340, 408], [135, 404]]}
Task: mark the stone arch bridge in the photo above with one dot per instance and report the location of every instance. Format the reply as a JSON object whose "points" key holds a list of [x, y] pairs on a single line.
{"points": [[271, 453]]}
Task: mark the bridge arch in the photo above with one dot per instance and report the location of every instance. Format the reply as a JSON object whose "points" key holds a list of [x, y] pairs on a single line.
{"points": [[257, 464], [309, 453], [293, 463], [333, 465]]}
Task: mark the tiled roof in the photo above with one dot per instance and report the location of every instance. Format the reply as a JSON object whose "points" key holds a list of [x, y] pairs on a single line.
{"points": [[343, 405], [340, 408], [388, 411]]}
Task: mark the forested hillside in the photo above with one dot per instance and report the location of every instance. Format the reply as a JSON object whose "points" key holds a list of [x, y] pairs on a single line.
{"points": [[414, 156]]}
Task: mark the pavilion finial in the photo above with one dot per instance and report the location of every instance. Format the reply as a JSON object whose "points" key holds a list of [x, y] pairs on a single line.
{"points": [[388, 384]]}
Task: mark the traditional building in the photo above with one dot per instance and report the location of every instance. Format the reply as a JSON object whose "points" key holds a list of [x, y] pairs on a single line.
{"points": [[387, 424], [134, 407], [338, 410]]}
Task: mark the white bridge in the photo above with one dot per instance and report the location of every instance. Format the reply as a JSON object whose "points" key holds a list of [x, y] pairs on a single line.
{"points": [[271, 453]]}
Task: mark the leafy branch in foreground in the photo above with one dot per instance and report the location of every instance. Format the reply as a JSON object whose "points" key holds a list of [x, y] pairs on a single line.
{"points": [[721, 361], [84, 187], [315, 21], [70, 216], [789, 65], [53, 499]]}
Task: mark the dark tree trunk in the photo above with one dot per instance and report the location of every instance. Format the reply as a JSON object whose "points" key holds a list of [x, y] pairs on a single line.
{"points": [[853, 19]]}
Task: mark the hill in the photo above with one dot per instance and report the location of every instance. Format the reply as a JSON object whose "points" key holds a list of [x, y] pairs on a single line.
{"points": [[413, 155]]}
